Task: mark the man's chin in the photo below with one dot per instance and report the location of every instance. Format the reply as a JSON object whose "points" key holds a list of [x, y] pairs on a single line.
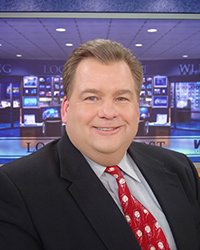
{"points": [[107, 149]]}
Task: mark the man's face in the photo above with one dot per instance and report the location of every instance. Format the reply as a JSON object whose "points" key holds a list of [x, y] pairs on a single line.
{"points": [[102, 112]]}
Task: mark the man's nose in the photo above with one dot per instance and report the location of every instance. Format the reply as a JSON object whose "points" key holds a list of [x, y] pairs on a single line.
{"points": [[107, 110]]}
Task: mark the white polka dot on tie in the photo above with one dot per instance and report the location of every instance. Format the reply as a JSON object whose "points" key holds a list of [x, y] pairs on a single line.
{"points": [[116, 176], [160, 245], [128, 218], [139, 233], [145, 211], [124, 198], [152, 248], [147, 229], [111, 169], [121, 181], [137, 214]]}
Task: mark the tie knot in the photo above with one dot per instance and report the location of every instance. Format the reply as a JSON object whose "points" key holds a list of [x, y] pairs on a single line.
{"points": [[114, 171]]}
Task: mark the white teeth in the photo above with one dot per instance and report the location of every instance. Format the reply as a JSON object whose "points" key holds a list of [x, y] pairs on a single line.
{"points": [[105, 129]]}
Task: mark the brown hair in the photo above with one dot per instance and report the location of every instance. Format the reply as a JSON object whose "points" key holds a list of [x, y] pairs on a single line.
{"points": [[105, 51]]}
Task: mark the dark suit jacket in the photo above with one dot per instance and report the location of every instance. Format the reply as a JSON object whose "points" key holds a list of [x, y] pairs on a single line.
{"points": [[52, 200]]}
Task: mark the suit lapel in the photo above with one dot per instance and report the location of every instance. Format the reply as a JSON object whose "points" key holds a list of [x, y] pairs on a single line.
{"points": [[168, 190], [94, 200]]}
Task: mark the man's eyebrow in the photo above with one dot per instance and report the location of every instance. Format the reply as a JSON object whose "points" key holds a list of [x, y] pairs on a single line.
{"points": [[90, 90], [95, 91], [124, 91]]}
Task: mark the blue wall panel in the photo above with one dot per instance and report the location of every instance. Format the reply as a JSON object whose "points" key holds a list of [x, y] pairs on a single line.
{"points": [[165, 6]]}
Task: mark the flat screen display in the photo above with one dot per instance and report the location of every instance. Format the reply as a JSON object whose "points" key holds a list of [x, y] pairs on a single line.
{"points": [[160, 101], [50, 113], [29, 101], [30, 81], [160, 81], [144, 113], [29, 91], [29, 119]]}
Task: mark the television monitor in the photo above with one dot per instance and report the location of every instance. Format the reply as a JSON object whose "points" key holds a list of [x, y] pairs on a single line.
{"points": [[56, 79], [160, 91], [156, 91], [33, 91], [44, 79], [41, 79], [161, 119], [160, 81], [42, 93], [30, 81], [48, 79], [8, 87], [42, 86], [144, 113], [56, 93], [149, 93], [181, 103], [16, 90], [187, 95], [29, 102], [160, 102], [50, 113], [29, 91], [29, 119], [48, 86], [62, 93], [48, 93], [149, 86], [142, 93], [56, 86], [16, 103]]}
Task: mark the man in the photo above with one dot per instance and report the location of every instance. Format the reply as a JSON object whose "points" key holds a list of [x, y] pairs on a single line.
{"points": [[64, 197]]}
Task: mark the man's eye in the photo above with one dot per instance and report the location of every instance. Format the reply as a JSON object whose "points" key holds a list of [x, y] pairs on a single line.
{"points": [[91, 98], [122, 99]]}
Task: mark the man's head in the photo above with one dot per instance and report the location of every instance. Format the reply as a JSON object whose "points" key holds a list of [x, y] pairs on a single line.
{"points": [[105, 51], [100, 108]]}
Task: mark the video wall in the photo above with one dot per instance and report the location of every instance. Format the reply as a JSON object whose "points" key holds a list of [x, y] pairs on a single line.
{"points": [[171, 103]]}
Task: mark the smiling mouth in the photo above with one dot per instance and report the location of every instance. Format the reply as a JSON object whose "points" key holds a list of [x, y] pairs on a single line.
{"points": [[106, 128]]}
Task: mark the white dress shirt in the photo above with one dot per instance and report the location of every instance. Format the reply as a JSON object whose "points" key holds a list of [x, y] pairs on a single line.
{"points": [[139, 188]]}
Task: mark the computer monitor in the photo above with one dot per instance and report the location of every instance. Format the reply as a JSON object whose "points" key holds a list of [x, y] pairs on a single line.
{"points": [[160, 102], [30, 91], [42, 86], [161, 119], [29, 101], [42, 93], [160, 81], [56, 86], [41, 79], [30, 81], [144, 113], [16, 90], [50, 113], [29, 119]]}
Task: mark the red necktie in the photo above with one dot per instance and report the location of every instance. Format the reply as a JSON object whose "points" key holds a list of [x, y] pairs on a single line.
{"points": [[143, 224]]}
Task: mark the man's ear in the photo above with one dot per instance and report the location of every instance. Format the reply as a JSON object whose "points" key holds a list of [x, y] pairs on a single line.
{"points": [[64, 109]]}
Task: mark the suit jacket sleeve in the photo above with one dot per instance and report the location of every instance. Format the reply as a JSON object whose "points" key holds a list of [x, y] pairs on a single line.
{"points": [[16, 228]]}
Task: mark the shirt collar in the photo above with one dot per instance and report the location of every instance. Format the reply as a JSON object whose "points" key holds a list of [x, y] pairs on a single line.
{"points": [[127, 165]]}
